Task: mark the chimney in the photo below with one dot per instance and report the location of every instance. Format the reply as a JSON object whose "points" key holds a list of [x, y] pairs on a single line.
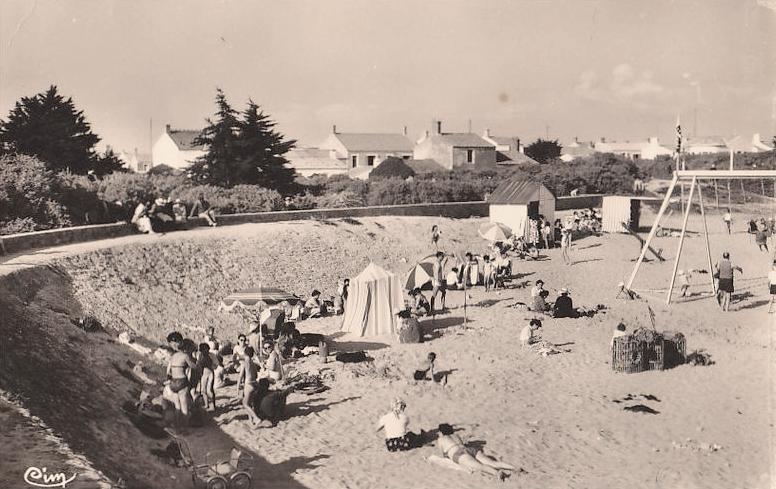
{"points": [[404, 130], [167, 129], [576, 139], [487, 132], [603, 140], [436, 127], [334, 129], [517, 145]]}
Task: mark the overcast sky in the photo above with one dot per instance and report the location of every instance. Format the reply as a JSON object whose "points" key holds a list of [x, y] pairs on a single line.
{"points": [[586, 68]]}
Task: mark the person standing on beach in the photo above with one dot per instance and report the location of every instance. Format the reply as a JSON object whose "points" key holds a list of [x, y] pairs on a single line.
{"points": [[724, 272], [565, 245], [435, 233], [438, 281]]}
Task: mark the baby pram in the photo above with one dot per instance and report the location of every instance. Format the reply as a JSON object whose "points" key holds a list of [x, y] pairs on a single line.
{"points": [[224, 469]]}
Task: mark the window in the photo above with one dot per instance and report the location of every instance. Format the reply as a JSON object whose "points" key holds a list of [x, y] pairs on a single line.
{"points": [[354, 159], [635, 157], [469, 156], [406, 157], [370, 160]]}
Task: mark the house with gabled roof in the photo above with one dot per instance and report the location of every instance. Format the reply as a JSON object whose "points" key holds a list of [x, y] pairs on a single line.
{"points": [[509, 150], [453, 150], [176, 148], [698, 145], [364, 151]]}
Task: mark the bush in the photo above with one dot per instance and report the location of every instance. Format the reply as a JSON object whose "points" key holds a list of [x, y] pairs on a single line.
{"points": [[28, 196], [392, 167], [237, 199]]}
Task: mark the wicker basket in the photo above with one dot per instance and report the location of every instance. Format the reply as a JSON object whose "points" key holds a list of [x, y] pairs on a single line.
{"points": [[629, 355], [648, 350]]}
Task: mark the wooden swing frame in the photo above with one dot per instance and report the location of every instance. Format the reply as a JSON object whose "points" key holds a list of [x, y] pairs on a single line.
{"points": [[694, 177]]}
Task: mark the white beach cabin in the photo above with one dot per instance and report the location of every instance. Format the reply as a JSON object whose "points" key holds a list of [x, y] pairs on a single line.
{"points": [[514, 201]]}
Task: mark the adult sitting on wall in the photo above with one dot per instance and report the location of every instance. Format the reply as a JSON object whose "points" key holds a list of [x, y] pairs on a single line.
{"points": [[141, 218], [179, 211], [203, 209]]}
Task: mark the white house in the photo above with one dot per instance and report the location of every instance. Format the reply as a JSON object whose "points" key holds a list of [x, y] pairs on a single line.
{"points": [[176, 148], [514, 201], [572, 151], [740, 144], [362, 152], [312, 161], [137, 162], [704, 145], [646, 150]]}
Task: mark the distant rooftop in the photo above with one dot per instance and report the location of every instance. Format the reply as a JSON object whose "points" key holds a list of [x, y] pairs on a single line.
{"points": [[384, 142], [184, 139]]}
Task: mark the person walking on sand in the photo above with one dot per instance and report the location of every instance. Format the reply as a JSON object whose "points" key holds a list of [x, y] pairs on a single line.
{"points": [[728, 219], [451, 446], [435, 234], [724, 272], [438, 281]]}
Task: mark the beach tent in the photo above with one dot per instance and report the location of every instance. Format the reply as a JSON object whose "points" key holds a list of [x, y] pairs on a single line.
{"points": [[617, 210], [514, 201], [372, 298]]}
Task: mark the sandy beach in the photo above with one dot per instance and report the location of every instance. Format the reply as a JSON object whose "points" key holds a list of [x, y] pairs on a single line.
{"points": [[561, 419]]}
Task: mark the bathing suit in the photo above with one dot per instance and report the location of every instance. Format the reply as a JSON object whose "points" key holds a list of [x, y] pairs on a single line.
{"points": [[177, 385]]}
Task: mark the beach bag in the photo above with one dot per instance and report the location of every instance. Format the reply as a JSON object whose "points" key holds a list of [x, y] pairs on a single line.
{"points": [[409, 330], [352, 357]]}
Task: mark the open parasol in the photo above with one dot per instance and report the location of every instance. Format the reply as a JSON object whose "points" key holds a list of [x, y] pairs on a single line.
{"points": [[420, 275], [495, 231], [256, 297]]}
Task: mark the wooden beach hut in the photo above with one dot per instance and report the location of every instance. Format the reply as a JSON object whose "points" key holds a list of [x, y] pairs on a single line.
{"points": [[514, 201]]}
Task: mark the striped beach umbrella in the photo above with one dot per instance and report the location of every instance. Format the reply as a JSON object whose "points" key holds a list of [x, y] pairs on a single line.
{"points": [[495, 231], [420, 275], [256, 297]]}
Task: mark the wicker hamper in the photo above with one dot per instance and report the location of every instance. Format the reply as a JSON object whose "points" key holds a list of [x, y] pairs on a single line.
{"points": [[648, 350]]}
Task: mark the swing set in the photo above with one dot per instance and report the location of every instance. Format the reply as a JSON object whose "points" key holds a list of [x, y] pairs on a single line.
{"points": [[694, 178]]}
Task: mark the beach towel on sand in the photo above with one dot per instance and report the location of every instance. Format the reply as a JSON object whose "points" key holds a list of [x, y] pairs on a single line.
{"points": [[446, 463]]}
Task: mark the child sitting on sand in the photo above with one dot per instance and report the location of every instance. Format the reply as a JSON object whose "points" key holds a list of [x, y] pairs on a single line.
{"points": [[396, 426], [619, 330], [527, 336], [427, 371], [420, 305]]}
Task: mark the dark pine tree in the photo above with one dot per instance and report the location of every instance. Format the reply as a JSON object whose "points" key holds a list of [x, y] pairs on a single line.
{"points": [[262, 152], [543, 151], [216, 166], [49, 127], [108, 162]]}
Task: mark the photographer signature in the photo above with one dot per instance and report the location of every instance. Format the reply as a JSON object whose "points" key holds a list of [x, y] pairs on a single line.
{"points": [[40, 478]]}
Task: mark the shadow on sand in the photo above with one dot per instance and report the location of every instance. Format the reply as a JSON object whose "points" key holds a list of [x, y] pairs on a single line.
{"points": [[304, 408], [434, 328], [342, 346]]}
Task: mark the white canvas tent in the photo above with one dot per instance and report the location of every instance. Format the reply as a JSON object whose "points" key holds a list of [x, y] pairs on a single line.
{"points": [[372, 298], [514, 201]]}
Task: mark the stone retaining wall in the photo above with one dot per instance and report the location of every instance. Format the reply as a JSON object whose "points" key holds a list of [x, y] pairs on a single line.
{"points": [[16, 243]]}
